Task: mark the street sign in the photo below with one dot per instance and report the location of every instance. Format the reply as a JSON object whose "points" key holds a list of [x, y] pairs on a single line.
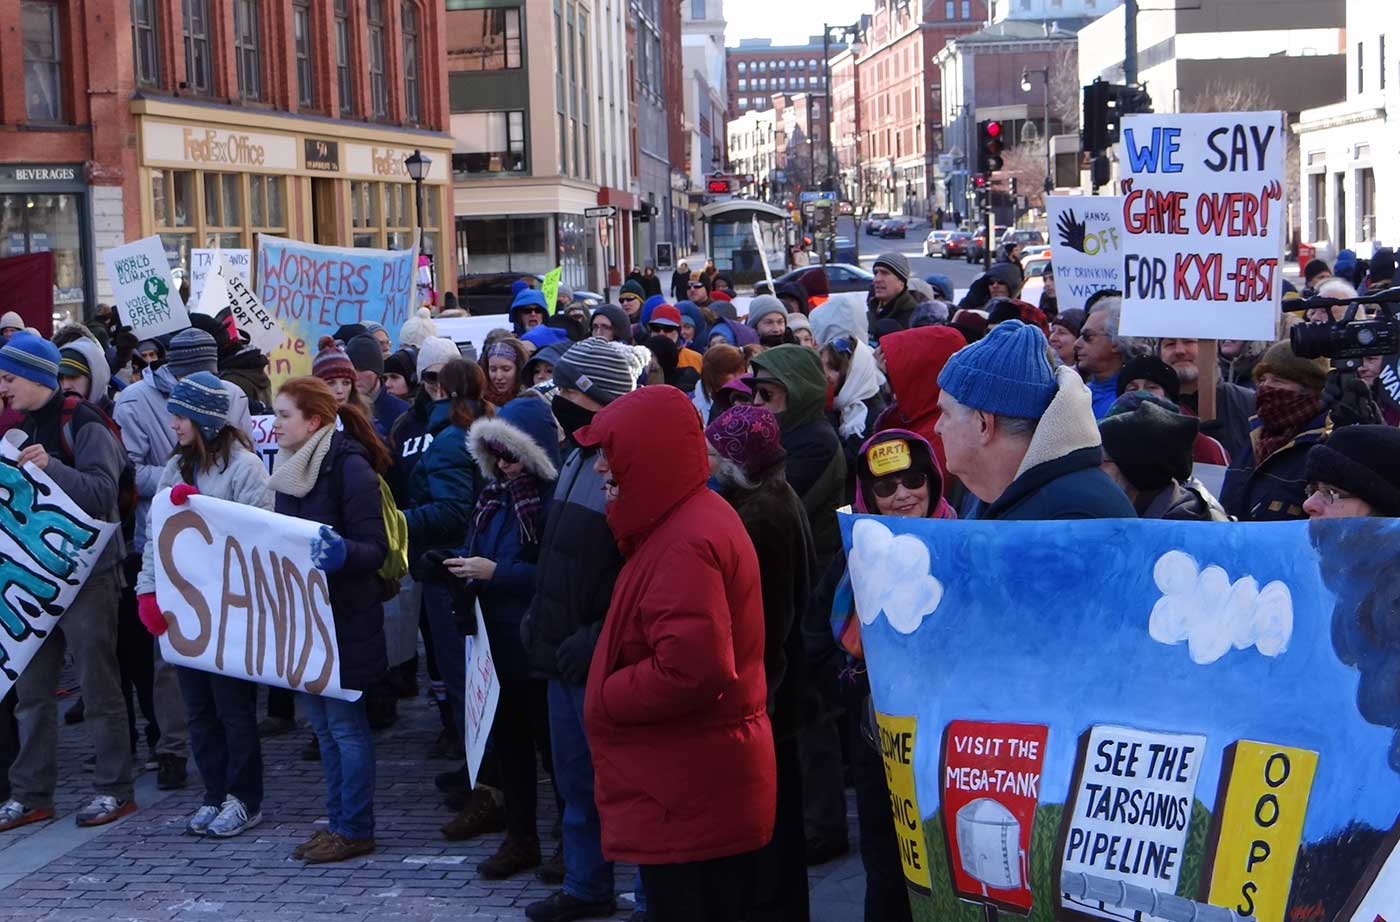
{"points": [[600, 211], [818, 196]]}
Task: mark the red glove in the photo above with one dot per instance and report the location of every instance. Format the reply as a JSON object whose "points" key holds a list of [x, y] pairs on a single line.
{"points": [[149, 612], [181, 492]]}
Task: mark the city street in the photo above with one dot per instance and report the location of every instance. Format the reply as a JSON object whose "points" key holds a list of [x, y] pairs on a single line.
{"points": [[958, 269]]}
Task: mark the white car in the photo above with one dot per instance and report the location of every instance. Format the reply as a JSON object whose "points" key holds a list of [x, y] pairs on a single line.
{"points": [[1034, 250], [933, 243]]}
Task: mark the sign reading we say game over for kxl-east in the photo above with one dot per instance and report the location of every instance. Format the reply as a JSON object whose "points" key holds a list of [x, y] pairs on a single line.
{"points": [[1203, 220]]}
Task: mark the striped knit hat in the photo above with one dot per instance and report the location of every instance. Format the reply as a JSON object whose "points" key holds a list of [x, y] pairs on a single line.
{"points": [[332, 362], [601, 369], [190, 351], [32, 358], [201, 398]]}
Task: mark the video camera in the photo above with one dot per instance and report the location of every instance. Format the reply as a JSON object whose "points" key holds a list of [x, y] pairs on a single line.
{"points": [[1348, 340]]}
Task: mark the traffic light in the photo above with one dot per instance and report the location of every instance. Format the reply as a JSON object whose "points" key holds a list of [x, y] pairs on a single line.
{"points": [[1104, 104], [989, 146], [979, 181], [1133, 99]]}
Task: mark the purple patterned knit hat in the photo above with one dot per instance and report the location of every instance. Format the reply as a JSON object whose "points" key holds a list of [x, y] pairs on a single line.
{"points": [[749, 436]]}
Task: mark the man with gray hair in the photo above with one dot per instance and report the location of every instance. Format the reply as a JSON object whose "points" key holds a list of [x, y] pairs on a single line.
{"points": [[1100, 353]]}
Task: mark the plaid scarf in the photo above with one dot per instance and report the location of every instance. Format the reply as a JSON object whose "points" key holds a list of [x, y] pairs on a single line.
{"points": [[522, 495], [1282, 415]]}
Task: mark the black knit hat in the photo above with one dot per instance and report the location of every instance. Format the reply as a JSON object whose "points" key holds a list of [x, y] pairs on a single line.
{"points": [[1071, 319], [1314, 268], [1150, 443], [1363, 461], [404, 364], [365, 353], [1151, 368]]}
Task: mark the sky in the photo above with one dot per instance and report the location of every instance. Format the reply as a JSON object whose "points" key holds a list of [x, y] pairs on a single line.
{"points": [[786, 21]]}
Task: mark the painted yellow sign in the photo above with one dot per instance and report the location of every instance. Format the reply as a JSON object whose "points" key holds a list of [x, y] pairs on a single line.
{"points": [[1261, 823], [897, 749]]}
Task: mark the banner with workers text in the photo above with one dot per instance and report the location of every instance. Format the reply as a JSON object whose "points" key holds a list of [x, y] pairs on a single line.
{"points": [[1086, 236], [242, 597], [312, 291], [1203, 197], [1212, 733], [47, 548]]}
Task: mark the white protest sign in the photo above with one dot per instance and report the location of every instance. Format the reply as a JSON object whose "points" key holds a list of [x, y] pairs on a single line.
{"points": [[213, 296], [1086, 236], [483, 692], [147, 300], [47, 548], [240, 263], [249, 315], [762, 254], [1131, 809], [264, 439], [1203, 214], [242, 597], [471, 329]]}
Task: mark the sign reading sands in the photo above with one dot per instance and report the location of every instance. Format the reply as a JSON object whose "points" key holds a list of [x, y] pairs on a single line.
{"points": [[147, 300], [237, 587]]}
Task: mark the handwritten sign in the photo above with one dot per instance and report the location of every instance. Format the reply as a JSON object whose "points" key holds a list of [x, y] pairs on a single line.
{"points": [[1203, 213], [897, 750], [483, 693], [1131, 809], [242, 597], [202, 263], [146, 297], [311, 291], [251, 317], [47, 548], [991, 786], [550, 287], [264, 439], [1086, 234]]}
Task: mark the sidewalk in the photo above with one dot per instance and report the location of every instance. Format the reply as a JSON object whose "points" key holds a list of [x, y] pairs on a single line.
{"points": [[144, 867]]}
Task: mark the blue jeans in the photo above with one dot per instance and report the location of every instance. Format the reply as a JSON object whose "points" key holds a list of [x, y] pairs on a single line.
{"points": [[587, 875], [347, 756], [449, 650], [222, 713]]}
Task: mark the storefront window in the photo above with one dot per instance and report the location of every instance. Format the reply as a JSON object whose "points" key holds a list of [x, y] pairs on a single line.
{"points": [[235, 208], [483, 39], [44, 222], [364, 214], [509, 244], [488, 142], [43, 60]]}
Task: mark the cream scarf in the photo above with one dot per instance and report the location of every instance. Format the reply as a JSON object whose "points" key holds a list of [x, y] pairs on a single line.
{"points": [[296, 475]]}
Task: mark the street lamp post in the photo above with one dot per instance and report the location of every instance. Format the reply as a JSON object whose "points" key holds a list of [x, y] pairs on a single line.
{"points": [[417, 165], [1044, 73]]}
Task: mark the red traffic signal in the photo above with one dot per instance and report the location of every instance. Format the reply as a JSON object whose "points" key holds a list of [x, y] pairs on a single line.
{"points": [[979, 181], [994, 129], [989, 146]]}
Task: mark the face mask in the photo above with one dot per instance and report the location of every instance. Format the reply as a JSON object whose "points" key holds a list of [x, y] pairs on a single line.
{"points": [[570, 415], [769, 340]]}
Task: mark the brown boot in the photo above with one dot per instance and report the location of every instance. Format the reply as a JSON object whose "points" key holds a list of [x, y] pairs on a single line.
{"points": [[552, 871], [514, 856], [299, 853], [481, 815], [335, 847]]}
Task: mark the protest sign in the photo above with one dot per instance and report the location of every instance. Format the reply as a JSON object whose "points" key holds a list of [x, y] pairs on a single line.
{"points": [[251, 317], [1086, 236], [242, 597], [550, 287], [202, 263], [1203, 217], [473, 330], [1218, 724], [897, 751], [264, 440], [311, 291], [146, 297], [47, 548], [483, 693]]}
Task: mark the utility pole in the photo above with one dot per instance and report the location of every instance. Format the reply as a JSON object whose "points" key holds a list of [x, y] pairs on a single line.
{"points": [[1130, 42]]}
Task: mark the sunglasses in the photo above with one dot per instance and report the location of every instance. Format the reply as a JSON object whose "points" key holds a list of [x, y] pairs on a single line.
{"points": [[504, 455], [763, 393], [912, 480], [695, 285], [663, 330], [625, 298]]}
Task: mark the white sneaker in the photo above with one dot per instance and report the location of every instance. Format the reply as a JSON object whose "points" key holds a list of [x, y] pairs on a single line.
{"points": [[233, 818], [199, 823]]}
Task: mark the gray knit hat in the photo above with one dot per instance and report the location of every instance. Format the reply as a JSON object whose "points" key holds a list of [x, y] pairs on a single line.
{"points": [[897, 263], [603, 370], [762, 306], [190, 351]]}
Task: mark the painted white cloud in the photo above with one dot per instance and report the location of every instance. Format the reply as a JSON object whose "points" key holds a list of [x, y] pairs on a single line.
{"points": [[890, 573], [1210, 614]]}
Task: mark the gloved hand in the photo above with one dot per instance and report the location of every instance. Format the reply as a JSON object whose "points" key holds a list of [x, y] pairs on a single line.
{"points": [[181, 492], [328, 550], [573, 656], [431, 570], [1348, 401], [148, 611]]}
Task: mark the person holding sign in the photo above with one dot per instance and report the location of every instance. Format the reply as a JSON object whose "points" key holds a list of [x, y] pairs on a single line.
{"points": [[213, 458], [333, 478]]}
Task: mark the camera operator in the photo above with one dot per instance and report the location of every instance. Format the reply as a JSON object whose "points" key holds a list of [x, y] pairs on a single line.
{"points": [[1354, 474]]}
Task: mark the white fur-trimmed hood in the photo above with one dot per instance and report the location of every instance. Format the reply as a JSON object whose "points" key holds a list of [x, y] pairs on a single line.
{"points": [[490, 430], [1068, 424]]}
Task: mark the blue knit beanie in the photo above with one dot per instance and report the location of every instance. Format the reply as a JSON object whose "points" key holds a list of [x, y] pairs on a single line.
{"points": [[201, 398], [1006, 372], [31, 357]]}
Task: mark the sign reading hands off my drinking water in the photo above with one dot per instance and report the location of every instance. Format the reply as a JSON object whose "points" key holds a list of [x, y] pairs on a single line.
{"points": [[1086, 236], [241, 596], [146, 296], [1203, 215]]}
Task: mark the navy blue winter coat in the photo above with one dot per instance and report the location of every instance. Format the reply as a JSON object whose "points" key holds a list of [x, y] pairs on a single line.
{"points": [[386, 410], [1272, 491], [442, 487], [346, 497]]}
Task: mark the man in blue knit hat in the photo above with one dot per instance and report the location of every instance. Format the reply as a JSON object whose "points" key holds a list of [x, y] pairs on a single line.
{"points": [[1020, 434], [84, 457]]}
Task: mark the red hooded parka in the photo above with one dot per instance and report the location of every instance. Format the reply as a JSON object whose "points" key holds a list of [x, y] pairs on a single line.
{"points": [[913, 359]]}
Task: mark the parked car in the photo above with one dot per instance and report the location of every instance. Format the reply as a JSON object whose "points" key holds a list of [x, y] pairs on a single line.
{"points": [[845, 208], [874, 220], [1022, 236], [894, 228], [933, 243], [1034, 250], [955, 244], [977, 249], [841, 276], [1034, 265], [846, 251]]}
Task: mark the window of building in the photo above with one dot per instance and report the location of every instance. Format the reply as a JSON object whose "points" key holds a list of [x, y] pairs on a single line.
{"points": [[486, 39], [301, 34], [1360, 67], [966, 9], [573, 94], [488, 142], [1366, 203], [364, 214], [43, 60], [223, 208], [743, 102], [1317, 203], [697, 9], [948, 9], [743, 66], [507, 244], [584, 108], [246, 48], [344, 84], [412, 92], [145, 42], [198, 72], [48, 223], [378, 89]]}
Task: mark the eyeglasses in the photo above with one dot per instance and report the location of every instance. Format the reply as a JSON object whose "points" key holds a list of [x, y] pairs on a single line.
{"points": [[764, 393], [912, 480], [695, 285], [1330, 496]]}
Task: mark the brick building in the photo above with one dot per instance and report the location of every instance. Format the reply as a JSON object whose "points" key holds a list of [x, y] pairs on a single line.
{"points": [[756, 69], [214, 120]]}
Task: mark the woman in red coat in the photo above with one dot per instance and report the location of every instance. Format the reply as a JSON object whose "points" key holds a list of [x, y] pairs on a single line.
{"points": [[675, 708]]}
